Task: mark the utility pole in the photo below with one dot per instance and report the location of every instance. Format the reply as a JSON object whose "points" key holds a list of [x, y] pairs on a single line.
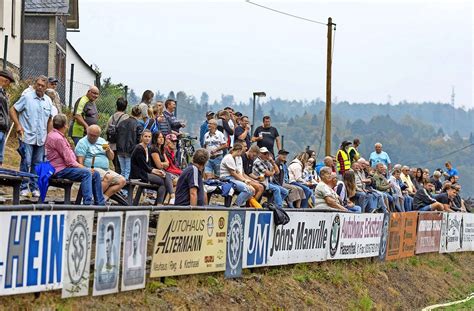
{"points": [[328, 88]]}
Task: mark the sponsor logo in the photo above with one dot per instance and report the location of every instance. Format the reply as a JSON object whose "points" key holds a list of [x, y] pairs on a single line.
{"points": [[335, 235], [182, 236], [221, 223], [258, 238], [383, 240], [210, 226], [77, 249], [235, 241]]}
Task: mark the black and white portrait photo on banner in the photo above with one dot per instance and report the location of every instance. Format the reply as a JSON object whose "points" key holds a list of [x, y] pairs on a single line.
{"points": [[107, 254], [77, 254], [134, 250]]}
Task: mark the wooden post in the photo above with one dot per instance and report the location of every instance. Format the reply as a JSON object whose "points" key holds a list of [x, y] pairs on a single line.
{"points": [[328, 88]]}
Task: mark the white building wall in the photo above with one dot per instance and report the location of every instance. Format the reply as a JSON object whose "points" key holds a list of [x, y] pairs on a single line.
{"points": [[14, 33]]}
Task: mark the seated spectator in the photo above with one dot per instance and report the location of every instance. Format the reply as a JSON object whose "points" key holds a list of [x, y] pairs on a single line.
{"points": [[458, 201], [328, 162], [112, 126], [447, 199], [407, 205], [232, 172], [309, 173], [398, 198], [383, 186], [346, 189], [142, 169], [367, 200], [426, 173], [295, 193], [215, 143], [436, 181], [171, 142], [418, 180], [160, 161], [61, 156], [248, 158], [326, 197], [423, 201], [94, 152], [295, 174], [190, 188], [265, 168], [128, 131], [406, 179]]}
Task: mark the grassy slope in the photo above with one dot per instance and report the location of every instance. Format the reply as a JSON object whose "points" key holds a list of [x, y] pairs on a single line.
{"points": [[359, 284]]}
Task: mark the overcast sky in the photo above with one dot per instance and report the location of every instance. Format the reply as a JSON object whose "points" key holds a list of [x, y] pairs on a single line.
{"points": [[405, 50]]}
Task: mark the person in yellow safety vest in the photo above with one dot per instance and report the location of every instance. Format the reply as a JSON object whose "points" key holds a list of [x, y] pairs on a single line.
{"points": [[353, 151], [342, 158]]}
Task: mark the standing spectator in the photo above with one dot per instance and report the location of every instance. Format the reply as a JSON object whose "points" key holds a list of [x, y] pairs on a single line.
{"points": [[61, 156], [295, 174], [171, 142], [85, 113], [52, 95], [190, 188], [326, 197], [342, 158], [5, 79], [451, 171], [94, 152], [423, 201], [295, 194], [265, 168], [379, 156], [353, 150], [56, 99], [232, 124], [215, 143], [232, 172], [145, 103], [112, 126], [175, 125], [242, 132], [33, 120], [160, 161], [266, 135], [223, 118], [162, 123], [129, 131], [204, 127]]}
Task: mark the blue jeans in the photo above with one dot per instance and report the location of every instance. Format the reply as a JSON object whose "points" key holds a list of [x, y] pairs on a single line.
{"points": [[408, 204], [214, 166], [2, 143], [427, 208], [124, 166], [33, 156], [354, 209], [379, 203], [91, 184], [279, 194], [245, 193], [308, 193], [76, 140]]}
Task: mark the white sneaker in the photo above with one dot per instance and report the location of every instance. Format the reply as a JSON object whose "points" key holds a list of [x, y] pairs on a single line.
{"points": [[25, 193], [36, 193]]}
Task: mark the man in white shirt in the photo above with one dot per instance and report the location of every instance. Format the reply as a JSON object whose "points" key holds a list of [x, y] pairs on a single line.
{"points": [[214, 142], [326, 197]]}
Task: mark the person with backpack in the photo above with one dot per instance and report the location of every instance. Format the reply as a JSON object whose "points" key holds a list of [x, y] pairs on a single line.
{"points": [[129, 132], [111, 130]]}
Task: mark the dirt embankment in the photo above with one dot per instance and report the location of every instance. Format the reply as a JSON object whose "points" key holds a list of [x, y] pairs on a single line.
{"points": [[365, 284]]}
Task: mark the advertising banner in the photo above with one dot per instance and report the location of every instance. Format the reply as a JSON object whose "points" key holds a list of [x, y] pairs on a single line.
{"points": [[457, 232], [77, 253], [258, 237], [429, 232], [107, 253], [384, 238], [303, 239], [189, 242], [355, 235], [468, 236], [31, 251], [235, 244], [402, 235], [134, 250]]}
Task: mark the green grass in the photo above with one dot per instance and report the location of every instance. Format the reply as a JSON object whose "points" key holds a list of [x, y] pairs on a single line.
{"points": [[468, 305]]}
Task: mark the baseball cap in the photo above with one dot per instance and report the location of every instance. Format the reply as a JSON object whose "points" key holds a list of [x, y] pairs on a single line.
{"points": [[209, 113], [283, 151], [264, 150], [172, 137], [7, 74], [52, 80]]}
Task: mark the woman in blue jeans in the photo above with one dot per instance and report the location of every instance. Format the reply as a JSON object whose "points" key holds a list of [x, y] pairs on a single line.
{"points": [[346, 190]]}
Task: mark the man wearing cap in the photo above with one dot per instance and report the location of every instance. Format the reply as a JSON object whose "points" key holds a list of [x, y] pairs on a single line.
{"points": [[343, 162], [215, 143], [52, 86], [6, 78], [204, 127], [85, 113], [32, 115], [295, 193], [265, 168]]}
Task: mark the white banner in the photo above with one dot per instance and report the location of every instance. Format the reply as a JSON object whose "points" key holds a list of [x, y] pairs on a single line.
{"points": [[31, 251], [134, 250], [107, 253], [304, 239], [257, 239], [355, 235], [468, 236], [77, 253], [457, 233]]}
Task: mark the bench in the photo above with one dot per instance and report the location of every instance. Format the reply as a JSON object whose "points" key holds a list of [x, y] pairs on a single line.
{"points": [[228, 199], [130, 186], [64, 184], [15, 183]]}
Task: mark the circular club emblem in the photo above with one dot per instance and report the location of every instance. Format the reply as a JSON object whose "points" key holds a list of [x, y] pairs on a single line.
{"points": [[336, 225], [210, 226], [77, 251], [235, 240], [383, 242], [221, 223]]}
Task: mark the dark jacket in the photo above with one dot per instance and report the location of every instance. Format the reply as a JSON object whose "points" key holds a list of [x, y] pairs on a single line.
{"points": [[175, 125], [422, 199], [139, 166], [4, 117], [128, 136]]}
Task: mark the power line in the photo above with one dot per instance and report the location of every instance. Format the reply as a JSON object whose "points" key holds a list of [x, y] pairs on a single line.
{"points": [[444, 155], [287, 14]]}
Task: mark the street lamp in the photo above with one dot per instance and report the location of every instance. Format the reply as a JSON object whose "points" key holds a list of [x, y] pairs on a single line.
{"points": [[255, 94]]}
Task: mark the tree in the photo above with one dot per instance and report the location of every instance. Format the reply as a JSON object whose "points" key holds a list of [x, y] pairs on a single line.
{"points": [[133, 99], [204, 99], [159, 96], [171, 96]]}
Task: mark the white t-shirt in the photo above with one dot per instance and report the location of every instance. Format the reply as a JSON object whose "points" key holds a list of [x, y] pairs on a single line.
{"points": [[239, 164], [212, 142], [228, 163], [321, 192]]}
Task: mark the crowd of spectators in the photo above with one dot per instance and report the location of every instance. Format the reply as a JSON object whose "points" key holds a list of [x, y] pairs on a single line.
{"points": [[143, 145]]}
